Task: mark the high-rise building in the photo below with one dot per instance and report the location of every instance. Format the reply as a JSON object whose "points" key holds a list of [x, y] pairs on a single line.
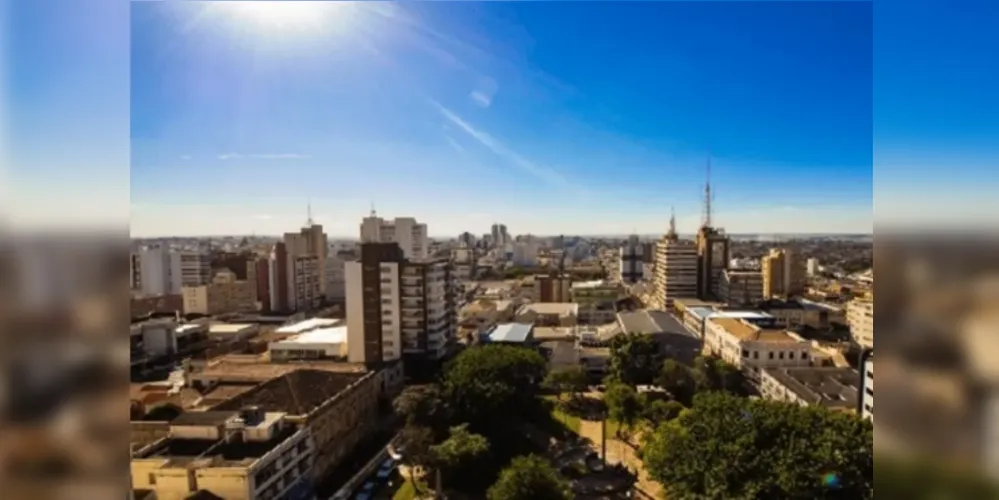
{"points": [[225, 294], [467, 238], [465, 262], [397, 307], [712, 261], [741, 288], [161, 271], [676, 269], [552, 288], [812, 266], [410, 235], [635, 257], [783, 273], [310, 241], [295, 280], [860, 317]]}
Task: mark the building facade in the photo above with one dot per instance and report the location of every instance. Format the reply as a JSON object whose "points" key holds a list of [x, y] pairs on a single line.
{"points": [[741, 288], [860, 316], [676, 272], [867, 397], [161, 271], [225, 294], [752, 348], [410, 235], [712, 261], [784, 274], [636, 256]]}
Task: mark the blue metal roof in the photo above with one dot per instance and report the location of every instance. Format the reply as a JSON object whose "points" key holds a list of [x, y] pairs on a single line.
{"points": [[511, 332]]}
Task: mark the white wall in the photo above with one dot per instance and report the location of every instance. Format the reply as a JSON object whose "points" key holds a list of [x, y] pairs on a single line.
{"points": [[355, 312]]}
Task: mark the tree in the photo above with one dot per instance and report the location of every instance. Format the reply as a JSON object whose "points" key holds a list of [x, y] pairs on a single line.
{"points": [[529, 478], [714, 374], [491, 382], [571, 379], [679, 381], [657, 411], [634, 358], [730, 447], [623, 404], [423, 405], [461, 457], [418, 441]]}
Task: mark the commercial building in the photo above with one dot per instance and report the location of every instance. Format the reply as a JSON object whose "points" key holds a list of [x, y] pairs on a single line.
{"points": [[410, 235], [741, 288], [247, 454], [860, 316], [676, 269], [161, 271], [812, 266], [498, 235], [636, 259], [465, 259], [548, 314], [783, 273], [295, 281], [311, 244], [833, 388], [397, 306], [867, 397], [552, 288], [317, 343], [712, 260], [225, 294], [525, 253], [597, 301], [752, 348], [695, 318]]}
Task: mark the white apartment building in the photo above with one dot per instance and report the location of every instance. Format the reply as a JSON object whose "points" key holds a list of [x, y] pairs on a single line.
{"points": [[410, 235], [867, 397], [812, 266], [676, 271], [465, 263], [161, 271], [525, 253], [860, 317], [398, 307], [752, 348]]}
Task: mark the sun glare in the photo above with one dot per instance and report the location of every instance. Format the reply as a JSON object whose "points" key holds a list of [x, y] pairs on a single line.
{"points": [[288, 16]]}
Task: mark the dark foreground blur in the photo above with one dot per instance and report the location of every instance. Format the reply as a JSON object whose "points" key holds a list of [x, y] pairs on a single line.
{"points": [[64, 312]]}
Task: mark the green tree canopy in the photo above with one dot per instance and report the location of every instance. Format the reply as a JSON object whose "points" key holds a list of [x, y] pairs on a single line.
{"points": [[623, 404], [423, 405], [571, 379], [727, 447], [417, 441], [714, 374], [461, 457], [493, 381], [679, 380], [634, 359], [657, 411], [529, 478]]}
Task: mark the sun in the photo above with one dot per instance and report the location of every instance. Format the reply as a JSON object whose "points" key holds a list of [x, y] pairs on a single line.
{"points": [[287, 16]]}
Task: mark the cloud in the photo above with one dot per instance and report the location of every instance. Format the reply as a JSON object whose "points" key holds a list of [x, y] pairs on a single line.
{"points": [[454, 144], [269, 156], [499, 149], [484, 92]]}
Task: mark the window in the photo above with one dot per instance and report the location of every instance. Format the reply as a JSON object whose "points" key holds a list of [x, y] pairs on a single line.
{"points": [[790, 355], [745, 353], [804, 355], [756, 354], [152, 478], [780, 355], [771, 355]]}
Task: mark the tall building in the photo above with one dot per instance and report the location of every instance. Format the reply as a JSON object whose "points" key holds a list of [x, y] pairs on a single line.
{"points": [[410, 235], [741, 288], [712, 261], [295, 280], [860, 317], [161, 271], [398, 307], [552, 288], [310, 241], [500, 236], [465, 262], [676, 269], [812, 266], [525, 253], [467, 238], [634, 257], [225, 294], [783, 273]]}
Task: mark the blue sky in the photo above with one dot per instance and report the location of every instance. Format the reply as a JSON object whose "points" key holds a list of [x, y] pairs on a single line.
{"points": [[549, 117]]}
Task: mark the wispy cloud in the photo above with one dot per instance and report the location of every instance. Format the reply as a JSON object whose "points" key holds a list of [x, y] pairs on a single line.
{"points": [[484, 92], [269, 156], [454, 144], [497, 147]]}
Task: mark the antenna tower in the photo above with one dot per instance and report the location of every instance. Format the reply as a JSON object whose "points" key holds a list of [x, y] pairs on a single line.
{"points": [[308, 211], [706, 217]]}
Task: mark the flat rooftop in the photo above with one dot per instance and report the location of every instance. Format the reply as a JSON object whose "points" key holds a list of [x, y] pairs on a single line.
{"points": [[823, 386], [701, 311], [748, 331], [236, 371], [649, 321], [335, 335], [740, 314], [511, 332], [589, 284], [544, 333], [227, 328], [296, 393], [309, 324], [202, 453], [559, 308]]}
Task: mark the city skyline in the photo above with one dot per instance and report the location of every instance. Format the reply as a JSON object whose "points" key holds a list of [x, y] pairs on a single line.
{"points": [[402, 106]]}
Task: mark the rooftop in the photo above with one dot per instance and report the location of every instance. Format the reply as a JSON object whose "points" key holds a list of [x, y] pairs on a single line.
{"points": [[511, 332], [740, 314], [830, 387], [744, 330], [701, 311], [309, 324], [590, 284], [336, 335], [649, 321], [228, 328], [232, 370], [559, 308], [201, 453], [296, 393]]}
